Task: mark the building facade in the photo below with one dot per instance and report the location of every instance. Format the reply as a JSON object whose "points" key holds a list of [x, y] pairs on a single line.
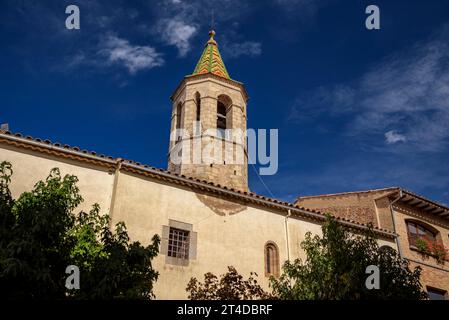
{"points": [[421, 226], [202, 209]]}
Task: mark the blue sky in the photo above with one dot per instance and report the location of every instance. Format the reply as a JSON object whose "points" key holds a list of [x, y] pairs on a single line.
{"points": [[355, 109]]}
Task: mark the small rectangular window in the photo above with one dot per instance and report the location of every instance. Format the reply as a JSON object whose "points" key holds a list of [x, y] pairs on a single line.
{"points": [[178, 243]]}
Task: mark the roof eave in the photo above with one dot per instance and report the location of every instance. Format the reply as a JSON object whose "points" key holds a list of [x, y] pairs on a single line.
{"points": [[19, 141], [411, 199]]}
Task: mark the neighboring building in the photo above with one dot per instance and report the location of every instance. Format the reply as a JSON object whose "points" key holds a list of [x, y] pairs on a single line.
{"points": [[408, 215], [204, 212]]}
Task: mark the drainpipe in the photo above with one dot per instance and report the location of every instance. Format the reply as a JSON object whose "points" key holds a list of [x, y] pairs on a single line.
{"points": [[286, 233], [114, 189], [394, 221]]}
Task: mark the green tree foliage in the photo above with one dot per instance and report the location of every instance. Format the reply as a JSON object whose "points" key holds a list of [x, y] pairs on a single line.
{"points": [[230, 286], [335, 269], [112, 267], [40, 236]]}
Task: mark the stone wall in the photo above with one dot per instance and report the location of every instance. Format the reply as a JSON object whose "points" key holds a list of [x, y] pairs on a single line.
{"points": [[434, 274], [374, 206], [221, 171], [357, 206]]}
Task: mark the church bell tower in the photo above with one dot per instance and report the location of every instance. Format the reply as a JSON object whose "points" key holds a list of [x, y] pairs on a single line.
{"points": [[208, 124]]}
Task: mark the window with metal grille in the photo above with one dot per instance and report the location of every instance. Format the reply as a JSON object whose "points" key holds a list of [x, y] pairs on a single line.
{"points": [[178, 243]]}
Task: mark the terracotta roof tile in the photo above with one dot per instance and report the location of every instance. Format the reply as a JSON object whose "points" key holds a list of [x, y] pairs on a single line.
{"points": [[245, 193]]}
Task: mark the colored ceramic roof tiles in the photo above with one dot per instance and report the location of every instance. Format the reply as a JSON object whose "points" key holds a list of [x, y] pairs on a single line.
{"points": [[211, 61]]}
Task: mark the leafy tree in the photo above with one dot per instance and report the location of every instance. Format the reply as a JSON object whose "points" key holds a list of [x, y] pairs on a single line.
{"points": [[230, 286], [335, 269], [6, 225], [112, 267], [40, 236], [37, 251]]}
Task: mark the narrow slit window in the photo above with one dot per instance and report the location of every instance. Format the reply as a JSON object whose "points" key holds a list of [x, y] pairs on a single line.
{"points": [[198, 106], [271, 260]]}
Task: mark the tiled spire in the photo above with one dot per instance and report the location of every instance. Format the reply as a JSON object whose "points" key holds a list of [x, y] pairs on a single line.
{"points": [[211, 61]]}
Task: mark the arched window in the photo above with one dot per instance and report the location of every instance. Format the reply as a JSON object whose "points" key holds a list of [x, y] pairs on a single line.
{"points": [[223, 103], [417, 229], [198, 106], [271, 260]]}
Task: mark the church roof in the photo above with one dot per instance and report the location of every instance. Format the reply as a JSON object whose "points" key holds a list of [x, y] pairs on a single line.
{"points": [[65, 151], [211, 61]]}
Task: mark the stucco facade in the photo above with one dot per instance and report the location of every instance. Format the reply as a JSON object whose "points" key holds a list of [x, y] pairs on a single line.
{"points": [[30, 166], [231, 227]]}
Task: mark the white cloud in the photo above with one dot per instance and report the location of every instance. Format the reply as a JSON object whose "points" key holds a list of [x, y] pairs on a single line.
{"points": [[178, 22], [134, 58], [406, 92], [177, 33], [392, 137], [248, 48]]}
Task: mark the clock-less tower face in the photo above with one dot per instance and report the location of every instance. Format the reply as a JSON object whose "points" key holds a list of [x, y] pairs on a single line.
{"points": [[208, 124]]}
